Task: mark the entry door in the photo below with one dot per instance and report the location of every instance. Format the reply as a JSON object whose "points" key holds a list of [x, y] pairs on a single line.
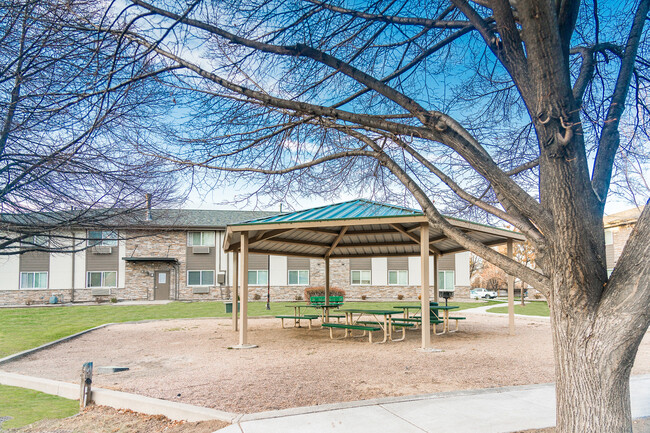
{"points": [[161, 285]]}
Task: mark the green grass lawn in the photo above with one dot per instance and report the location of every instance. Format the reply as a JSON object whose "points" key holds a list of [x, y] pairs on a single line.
{"points": [[25, 406], [25, 328], [537, 308]]}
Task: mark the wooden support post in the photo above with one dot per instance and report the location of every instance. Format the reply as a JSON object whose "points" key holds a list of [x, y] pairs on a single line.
{"points": [[511, 295], [435, 278], [327, 288], [235, 289], [424, 272], [243, 297], [86, 385]]}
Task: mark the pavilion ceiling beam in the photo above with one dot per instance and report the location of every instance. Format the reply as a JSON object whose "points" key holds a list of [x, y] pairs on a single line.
{"points": [[336, 241], [268, 235], [284, 253], [320, 231], [298, 242], [487, 244], [351, 256], [378, 244], [415, 239]]}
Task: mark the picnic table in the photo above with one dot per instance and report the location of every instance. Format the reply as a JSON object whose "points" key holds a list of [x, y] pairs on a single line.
{"points": [[383, 324], [436, 316], [297, 316]]}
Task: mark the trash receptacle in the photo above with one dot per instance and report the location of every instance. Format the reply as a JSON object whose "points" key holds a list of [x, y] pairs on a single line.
{"points": [[229, 307]]}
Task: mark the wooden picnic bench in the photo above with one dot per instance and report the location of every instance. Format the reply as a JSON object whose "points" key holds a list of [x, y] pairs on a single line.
{"points": [[365, 328]]}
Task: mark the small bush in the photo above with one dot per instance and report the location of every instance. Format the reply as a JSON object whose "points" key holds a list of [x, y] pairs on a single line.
{"points": [[400, 297], [320, 291], [298, 297], [257, 296], [363, 297], [113, 300]]}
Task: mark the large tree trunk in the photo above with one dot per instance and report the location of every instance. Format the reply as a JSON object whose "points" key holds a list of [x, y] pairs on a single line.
{"points": [[592, 391], [596, 344]]}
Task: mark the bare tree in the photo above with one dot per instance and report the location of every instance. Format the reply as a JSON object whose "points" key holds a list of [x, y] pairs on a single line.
{"points": [[66, 138], [517, 111]]}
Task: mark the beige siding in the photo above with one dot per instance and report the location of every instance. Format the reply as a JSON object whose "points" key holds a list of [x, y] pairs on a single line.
{"points": [[398, 263], [361, 264], [258, 262], [298, 263], [201, 262], [35, 261], [102, 262], [447, 263]]}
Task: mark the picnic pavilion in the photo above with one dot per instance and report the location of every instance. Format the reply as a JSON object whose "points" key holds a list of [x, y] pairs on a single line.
{"points": [[357, 228]]}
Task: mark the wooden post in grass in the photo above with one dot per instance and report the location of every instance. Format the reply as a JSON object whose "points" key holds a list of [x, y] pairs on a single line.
{"points": [[86, 384]]}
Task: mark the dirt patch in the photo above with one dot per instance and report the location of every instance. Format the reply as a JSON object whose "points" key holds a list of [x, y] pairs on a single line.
{"points": [[188, 361], [100, 419]]}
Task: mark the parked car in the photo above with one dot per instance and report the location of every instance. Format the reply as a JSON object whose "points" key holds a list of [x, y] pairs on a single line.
{"points": [[482, 294]]}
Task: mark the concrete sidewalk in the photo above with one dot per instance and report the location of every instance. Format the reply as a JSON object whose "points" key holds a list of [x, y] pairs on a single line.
{"points": [[493, 410]]}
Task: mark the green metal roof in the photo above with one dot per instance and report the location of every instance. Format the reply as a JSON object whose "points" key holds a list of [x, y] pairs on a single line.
{"points": [[354, 209]]}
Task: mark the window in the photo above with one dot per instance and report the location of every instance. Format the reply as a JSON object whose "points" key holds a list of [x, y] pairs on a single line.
{"points": [[35, 241], [101, 279], [446, 280], [104, 237], [609, 272], [33, 280], [258, 278], [200, 278], [360, 277], [200, 239], [299, 278], [609, 237], [399, 278]]}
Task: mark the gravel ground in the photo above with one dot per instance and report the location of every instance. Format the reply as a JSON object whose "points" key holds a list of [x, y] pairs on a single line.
{"points": [[101, 419], [188, 361]]}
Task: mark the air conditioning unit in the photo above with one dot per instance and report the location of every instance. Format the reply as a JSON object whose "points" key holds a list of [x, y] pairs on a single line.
{"points": [[201, 290], [102, 249], [201, 250], [221, 278], [100, 292]]}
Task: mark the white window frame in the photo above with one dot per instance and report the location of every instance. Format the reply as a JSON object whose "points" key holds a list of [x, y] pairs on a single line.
{"points": [[36, 241], [299, 271], [201, 271], [107, 238], [442, 282], [257, 277], [609, 237], [102, 279], [34, 279], [399, 272], [361, 280], [202, 242]]}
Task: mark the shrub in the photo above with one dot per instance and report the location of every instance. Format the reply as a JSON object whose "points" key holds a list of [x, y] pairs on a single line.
{"points": [[320, 291], [257, 296], [113, 300], [298, 297], [363, 297], [400, 296]]}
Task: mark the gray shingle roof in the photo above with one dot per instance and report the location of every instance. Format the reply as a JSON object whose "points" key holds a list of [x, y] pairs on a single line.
{"points": [[120, 218]]}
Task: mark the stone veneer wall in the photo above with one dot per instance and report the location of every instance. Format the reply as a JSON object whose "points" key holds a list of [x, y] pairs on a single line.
{"points": [[139, 278]]}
